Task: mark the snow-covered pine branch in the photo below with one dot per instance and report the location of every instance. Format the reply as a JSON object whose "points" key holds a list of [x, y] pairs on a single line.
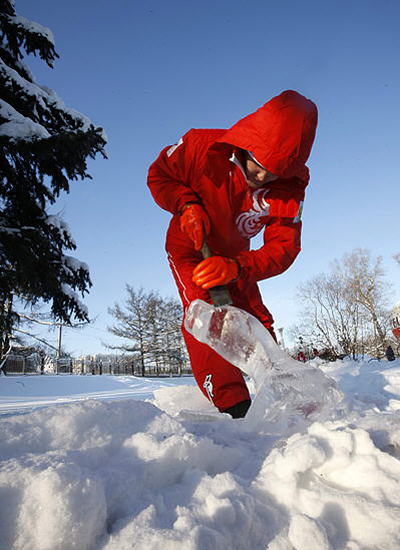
{"points": [[38, 100], [16, 126], [19, 33]]}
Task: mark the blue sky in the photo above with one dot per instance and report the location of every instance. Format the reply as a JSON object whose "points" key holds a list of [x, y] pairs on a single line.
{"points": [[148, 71]]}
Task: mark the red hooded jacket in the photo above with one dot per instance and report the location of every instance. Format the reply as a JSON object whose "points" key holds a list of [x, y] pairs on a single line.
{"points": [[205, 166]]}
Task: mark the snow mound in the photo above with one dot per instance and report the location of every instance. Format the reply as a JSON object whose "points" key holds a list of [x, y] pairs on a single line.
{"points": [[108, 475], [339, 488], [174, 401]]}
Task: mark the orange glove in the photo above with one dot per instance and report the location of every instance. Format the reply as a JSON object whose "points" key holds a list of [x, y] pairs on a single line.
{"points": [[215, 271], [194, 220]]}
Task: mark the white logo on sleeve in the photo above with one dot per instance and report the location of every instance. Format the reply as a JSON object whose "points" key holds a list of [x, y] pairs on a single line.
{"points": [[174, 147], [208, 386]]}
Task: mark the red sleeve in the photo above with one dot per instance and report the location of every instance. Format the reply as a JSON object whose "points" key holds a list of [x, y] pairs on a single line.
{"points": [[282, 243], [170, 175]]}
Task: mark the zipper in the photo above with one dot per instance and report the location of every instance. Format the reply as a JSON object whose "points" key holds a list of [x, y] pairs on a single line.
{"points": [[236, 161]]}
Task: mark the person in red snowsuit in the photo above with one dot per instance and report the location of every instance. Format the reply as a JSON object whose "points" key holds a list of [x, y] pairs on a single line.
{"points": [[227, 186]]}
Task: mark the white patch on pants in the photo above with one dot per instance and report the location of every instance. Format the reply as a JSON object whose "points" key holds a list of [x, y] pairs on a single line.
{"points": [[208, 386]]}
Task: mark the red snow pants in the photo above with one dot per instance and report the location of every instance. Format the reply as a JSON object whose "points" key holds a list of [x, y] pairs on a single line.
{"points": [[221, 382]]}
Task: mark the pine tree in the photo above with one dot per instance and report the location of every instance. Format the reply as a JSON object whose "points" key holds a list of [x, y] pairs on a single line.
{"points": [[44, 145]]}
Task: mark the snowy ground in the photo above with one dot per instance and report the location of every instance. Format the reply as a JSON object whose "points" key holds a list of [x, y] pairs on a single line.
{"points": [[26, 393], [121, 463]]}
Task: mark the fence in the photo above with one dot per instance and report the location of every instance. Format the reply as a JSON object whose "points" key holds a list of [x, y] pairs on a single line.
{"points": [[20, 365]]}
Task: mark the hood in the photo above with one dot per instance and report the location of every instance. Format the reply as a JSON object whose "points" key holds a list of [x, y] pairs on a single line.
{"points": [[280, 134]]}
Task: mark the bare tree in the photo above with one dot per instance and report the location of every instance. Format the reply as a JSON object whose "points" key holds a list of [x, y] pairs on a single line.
{"points": [[345, 312], [328, 319], [150, 326], [367, 287], [167, 343]]}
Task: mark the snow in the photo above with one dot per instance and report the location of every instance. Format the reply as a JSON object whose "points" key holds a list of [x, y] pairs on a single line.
{"points": [[33, 27], [28, 393], [68, 291], [71, 263], [19, 126], [54, 220], [107, 463]]}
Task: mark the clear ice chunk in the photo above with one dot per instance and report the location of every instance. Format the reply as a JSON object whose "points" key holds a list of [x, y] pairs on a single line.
{"points": [[288, 393]]}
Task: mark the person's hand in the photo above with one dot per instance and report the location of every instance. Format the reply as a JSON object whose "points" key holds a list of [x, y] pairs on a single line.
{"points": [[215, 271], [195, 220]]}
